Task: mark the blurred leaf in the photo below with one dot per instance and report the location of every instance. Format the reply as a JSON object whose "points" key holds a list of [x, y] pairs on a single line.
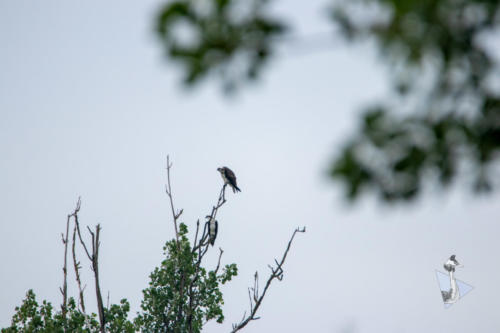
{"points": [[436, 51], [226, 37]]}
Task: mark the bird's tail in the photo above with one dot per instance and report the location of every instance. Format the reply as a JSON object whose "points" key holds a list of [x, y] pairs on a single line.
{"points": [[236, 189]]}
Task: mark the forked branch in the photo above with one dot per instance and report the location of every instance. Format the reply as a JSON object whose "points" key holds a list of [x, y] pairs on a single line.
{"points": [[77, 266], [94, 259], [253, 293], [200, 246], [64, 289]]}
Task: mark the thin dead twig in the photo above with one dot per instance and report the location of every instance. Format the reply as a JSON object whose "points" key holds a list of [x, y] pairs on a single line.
{"points": [[64, 289], [168, 190], [77, 266], [276, 273], [94, 259]]}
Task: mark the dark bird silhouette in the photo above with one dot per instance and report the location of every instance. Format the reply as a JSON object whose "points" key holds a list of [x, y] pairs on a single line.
{"points": [[229, 178]]}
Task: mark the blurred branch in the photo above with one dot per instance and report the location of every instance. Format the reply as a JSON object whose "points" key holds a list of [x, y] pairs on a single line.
{"points": [[253, 293]]}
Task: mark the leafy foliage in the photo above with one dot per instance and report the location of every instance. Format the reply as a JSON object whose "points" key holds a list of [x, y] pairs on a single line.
{"points": [[32, 317], [233, 36], [116, 318], [182, 295], [457, 118], [443, 77], [165, 307]]}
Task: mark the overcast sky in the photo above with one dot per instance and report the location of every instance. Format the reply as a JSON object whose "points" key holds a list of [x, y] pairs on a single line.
{"points": [[90, 108]]}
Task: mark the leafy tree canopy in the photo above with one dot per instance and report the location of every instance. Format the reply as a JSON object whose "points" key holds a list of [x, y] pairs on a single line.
{"points": [[164, 307]]}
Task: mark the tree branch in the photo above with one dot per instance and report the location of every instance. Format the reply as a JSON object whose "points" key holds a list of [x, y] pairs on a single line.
{"points": [[76, 265], [276, 273], [202, 248], [168, 190], [95, 268], [218, 262], [64, 289], [94, 259]]}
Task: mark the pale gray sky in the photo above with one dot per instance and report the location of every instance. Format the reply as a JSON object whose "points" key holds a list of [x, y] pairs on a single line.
{"points": [[89, 107]]}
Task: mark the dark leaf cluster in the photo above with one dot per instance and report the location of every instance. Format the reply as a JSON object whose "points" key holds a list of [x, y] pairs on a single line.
{"points": [[444, 115], [234, 37], [455, 123]]}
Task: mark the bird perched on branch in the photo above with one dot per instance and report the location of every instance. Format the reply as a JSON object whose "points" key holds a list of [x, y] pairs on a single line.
{"points": [[229, 178], [213, 226]]}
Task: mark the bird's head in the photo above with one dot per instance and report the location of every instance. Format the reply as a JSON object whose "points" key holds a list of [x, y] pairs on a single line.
{"points": [[220, 170], [452, 263], [455, 261]]}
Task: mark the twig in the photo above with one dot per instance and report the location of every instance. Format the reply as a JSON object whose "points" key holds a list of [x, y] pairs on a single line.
{"points": [[168, 190], [76, 265], [202, 247], [218, 262], [94, 259], [77, 223], [95, 268], [64, 289], [197, 230], [276, 273], [204, 238]]}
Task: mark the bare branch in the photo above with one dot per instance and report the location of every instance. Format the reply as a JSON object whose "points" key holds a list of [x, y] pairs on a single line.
{"points": [[168, 190], [76, 265], [218, 262], [94, 259], [64, 289], [196, 234], [95, 268], [276, 273], [77, 223], [201, 246], [204, 238]]}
